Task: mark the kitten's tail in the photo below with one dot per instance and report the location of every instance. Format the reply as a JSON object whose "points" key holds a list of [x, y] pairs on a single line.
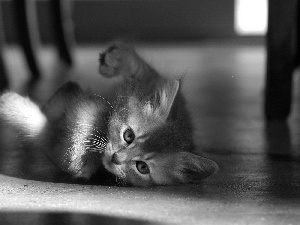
{"points": [[21, 114]]}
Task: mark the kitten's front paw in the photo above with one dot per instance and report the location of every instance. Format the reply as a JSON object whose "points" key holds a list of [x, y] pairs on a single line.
{"points": [[118, 59], [109, 62]]}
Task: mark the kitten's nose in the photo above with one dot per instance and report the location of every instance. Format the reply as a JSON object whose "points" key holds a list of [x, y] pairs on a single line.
{"points": [[115, 159]]}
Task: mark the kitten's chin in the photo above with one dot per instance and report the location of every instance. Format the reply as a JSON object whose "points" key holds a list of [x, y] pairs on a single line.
{"points": [[107, 162], [112, 167]]}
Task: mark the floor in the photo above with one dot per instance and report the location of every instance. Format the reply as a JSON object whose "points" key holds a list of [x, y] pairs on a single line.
{"points": [[259, 177]]}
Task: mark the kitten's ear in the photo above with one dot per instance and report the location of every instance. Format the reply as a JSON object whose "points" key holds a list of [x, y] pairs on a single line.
{"points": [[192, 168], [167, 95], [63, 97]]}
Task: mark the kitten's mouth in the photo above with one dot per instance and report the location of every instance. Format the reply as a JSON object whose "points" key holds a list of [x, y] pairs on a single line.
{"points": [[108, 158], [109, 163]]}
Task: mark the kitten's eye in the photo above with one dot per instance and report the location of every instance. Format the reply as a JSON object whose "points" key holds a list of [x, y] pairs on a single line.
{"points": [[128, 136], [142, 167]]}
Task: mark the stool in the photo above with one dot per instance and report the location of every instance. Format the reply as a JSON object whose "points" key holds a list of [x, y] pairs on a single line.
{"points": [[282, 57], [28, 35]]}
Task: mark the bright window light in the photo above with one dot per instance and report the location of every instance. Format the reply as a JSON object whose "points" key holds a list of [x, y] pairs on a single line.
{"points": [[251, 17]]}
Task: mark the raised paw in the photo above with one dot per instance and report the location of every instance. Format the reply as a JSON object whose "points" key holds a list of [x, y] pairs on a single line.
{"points": [[118, 59], [109, 62]]}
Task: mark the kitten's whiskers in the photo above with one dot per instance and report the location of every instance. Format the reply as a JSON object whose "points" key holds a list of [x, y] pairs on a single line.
{"points": [[95, 142], [104, 100]]}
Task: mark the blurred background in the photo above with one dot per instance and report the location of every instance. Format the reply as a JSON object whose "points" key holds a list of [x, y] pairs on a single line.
{"points": [[36, 35], [95, 21], [34, 31]]}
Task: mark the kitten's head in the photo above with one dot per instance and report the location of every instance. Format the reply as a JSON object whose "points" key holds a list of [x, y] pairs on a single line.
{"points": [[150, 139]]}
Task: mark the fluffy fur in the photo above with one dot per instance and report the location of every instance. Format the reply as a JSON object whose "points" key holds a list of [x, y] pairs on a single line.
{"points": [[143, 136], [27, 118]]}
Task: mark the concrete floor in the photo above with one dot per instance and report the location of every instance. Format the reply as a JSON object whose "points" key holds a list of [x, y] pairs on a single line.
{"points": [[259, 177]]}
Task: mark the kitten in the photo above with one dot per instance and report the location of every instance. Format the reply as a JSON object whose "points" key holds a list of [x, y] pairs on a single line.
{"points": [[143, 136]]}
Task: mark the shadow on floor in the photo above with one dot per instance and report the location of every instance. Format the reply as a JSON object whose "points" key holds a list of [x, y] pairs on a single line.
{"points": [[64, 218]]}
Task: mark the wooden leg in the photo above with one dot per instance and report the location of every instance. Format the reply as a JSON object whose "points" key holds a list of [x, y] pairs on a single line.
{"points": [[3, 72], [63, 28], [298, 35], [280, 58], [27, 31]]}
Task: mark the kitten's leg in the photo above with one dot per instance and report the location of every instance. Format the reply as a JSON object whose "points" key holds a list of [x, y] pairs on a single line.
{"points": [[121, 59]]}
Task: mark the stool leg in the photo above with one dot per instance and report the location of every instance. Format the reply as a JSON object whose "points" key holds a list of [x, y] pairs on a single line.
{"points": [[63, 28], [3, 73], [27, 31], [280, 59], [298, 35]]}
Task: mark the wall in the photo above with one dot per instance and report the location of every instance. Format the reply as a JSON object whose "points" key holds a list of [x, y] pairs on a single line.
{"points": [[97, 21]]}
